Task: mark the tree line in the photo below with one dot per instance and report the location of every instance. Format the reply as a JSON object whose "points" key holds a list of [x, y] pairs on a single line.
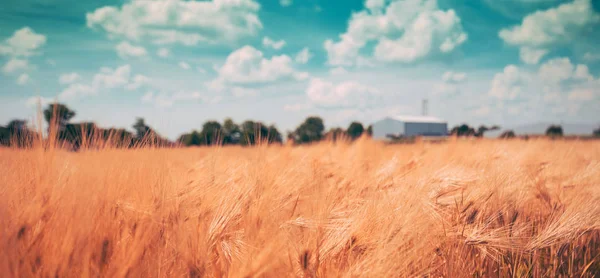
{"points": [[75, 135]]}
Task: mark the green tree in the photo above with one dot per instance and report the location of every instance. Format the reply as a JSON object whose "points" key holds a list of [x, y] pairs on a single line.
{"points": [[141, 129], [335, 134], [191, 139], [483, 129], [355, 130], [554, 131], [253, 133], [211, 133], [370, 130], [59, 115], [596, 132], [462, 130], [311, 130], [231, 132]]}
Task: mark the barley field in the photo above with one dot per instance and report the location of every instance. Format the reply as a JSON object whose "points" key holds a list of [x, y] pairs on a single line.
{"points": [[464, 208]]}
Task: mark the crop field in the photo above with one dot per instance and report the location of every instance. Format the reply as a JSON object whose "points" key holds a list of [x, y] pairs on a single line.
{"points": [[463, 208]]}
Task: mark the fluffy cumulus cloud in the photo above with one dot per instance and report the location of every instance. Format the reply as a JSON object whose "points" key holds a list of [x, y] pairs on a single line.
{"points": [[270, 43], [303, 56], [542, 31], [15, 65], [248, 65], [403, 31], [344, 94], [68, 78], [450, 85], [509, 84], [179, 21], [454, 77], [125, 50], [105, 79], [23, 43], [556, 81]]}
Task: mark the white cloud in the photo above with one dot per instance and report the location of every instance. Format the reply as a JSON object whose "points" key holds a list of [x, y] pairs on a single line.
{"points": [[344, 94], [184, 65], [582, 94], [34, 101], [23, 79], [285, 3], [15, 65], [268, 42], [509, 84], [137, 82], [591, 57], [178, 21], [163, 52], [68, 78], [338, 71], [201, 70], [109, 78], [248, 65], [450, 85], [424, 29], [532, 56], [543, 30], [125, 49], [557, 81], [303, 56], [454, 77], [105, 79], [23, 43]]}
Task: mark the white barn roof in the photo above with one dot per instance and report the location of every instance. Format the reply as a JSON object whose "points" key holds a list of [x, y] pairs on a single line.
{"points": [[418, 119]]}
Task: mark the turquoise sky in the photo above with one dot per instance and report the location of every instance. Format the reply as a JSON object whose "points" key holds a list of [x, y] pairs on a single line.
{"points": [[180, 63]]}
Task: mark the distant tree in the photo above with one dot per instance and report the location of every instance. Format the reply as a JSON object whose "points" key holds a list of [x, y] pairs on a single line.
{"points": [[596, 132], [141, 129], [16, 134], [211, 133], [483, 129], [462, 130], [145, 135], [335, 134], [59, 115], [191, 139], [253, 133], [370, 130], [311, 130], [231, 132], [507, 134], [355, 130], [274, 135], [4, 136], [554, 131]]}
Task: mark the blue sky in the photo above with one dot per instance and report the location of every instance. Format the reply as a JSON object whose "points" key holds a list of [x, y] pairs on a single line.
{"points": [[180, 63]]}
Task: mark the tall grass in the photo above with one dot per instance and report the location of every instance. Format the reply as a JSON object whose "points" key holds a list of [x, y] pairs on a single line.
{"points": [[479, 208]]}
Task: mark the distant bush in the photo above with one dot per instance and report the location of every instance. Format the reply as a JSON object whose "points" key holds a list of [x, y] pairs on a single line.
{"points": [[554, 131], [508, 134]]}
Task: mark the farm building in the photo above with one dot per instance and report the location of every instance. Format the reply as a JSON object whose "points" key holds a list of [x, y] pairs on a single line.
{"points": [[409, 126]]}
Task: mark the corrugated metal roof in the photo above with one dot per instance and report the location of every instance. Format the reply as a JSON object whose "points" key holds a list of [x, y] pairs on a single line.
{"points": [[418, 119]]}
